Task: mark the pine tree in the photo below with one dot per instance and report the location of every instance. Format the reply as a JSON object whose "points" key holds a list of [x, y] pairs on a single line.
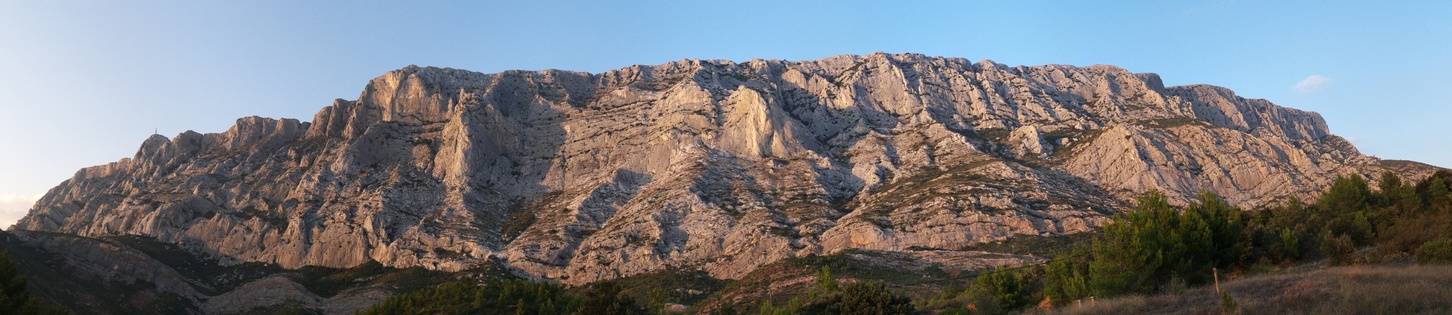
{"points": [[824, 281], [1129, 253], [1066, 278], [14, 297], [1347, 194]]}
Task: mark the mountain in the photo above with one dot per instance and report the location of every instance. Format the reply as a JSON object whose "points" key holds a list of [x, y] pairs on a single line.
{"points": [[697, 164]]}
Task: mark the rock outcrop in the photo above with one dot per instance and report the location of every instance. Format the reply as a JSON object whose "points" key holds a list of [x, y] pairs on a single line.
{"points": [[270, 291], [705, 164]]}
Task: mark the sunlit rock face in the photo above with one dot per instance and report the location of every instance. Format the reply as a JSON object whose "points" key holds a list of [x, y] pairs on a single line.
{"points": [[705, 164]]}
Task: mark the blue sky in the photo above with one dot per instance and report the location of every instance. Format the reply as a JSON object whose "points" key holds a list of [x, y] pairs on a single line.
{"points": [[83, 83]]}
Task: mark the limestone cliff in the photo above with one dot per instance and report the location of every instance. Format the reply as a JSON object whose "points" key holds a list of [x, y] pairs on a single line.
{"points": [[704, 164]]}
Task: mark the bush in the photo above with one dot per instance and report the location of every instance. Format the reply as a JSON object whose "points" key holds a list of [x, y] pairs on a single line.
{"points": [[605, 298], [824, 281], [1227, 303], [865, 298], [1066, 280], [1339, 249], [1145, 248], [1006, 290], [1132, 248], [1348, 193], [14, 297], [791, 308], [1435, 252], [469, 297]]}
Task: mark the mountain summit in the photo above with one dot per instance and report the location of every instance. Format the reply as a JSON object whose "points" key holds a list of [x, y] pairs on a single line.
{"points": [[703, 164]]}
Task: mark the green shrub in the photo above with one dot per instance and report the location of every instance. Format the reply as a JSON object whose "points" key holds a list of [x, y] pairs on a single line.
{"points": [[792, 307], [1143, 249], [14, 297], [864, 298], [1227, 303], [1339, 249], [493, 297], [605, 298], [1007, 290], [824, 281], [1066, 279], [1435, 252]]}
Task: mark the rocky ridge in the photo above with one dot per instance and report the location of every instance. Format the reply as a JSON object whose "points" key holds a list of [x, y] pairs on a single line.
{"points": [[706, 164]]}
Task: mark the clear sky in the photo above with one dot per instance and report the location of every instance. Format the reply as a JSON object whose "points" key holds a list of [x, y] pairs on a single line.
{"points": [[83, 83]]}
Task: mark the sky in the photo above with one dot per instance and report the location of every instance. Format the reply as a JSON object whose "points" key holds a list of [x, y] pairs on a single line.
{"points": [[83, 83]]}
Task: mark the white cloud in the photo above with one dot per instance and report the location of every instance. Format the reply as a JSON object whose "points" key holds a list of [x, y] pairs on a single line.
{"points": [[1353, 139], [13, 207], [1311, 84]]}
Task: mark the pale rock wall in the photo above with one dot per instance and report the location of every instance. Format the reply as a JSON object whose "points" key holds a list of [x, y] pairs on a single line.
{"points": [[704, 164]]}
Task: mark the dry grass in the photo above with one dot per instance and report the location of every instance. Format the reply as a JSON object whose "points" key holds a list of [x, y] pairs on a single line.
{"points": [[1380, 289]]}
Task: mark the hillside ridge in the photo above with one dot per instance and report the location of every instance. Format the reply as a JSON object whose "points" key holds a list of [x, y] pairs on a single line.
{"points": [[704, 164]]}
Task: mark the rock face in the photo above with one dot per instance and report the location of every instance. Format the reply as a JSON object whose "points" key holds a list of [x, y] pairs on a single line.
{"points": [[276, 290], [714, 165]]}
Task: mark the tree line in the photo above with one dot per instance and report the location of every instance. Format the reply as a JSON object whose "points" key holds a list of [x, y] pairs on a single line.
{"points": [[1158, 248]]}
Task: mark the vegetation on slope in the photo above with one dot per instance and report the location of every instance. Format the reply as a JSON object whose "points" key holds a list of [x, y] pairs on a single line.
{"points": [[1158, 248], [15, 297], [323, 281], [1156, 258], [815, 284], [493, 297], [1361, 289]]}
